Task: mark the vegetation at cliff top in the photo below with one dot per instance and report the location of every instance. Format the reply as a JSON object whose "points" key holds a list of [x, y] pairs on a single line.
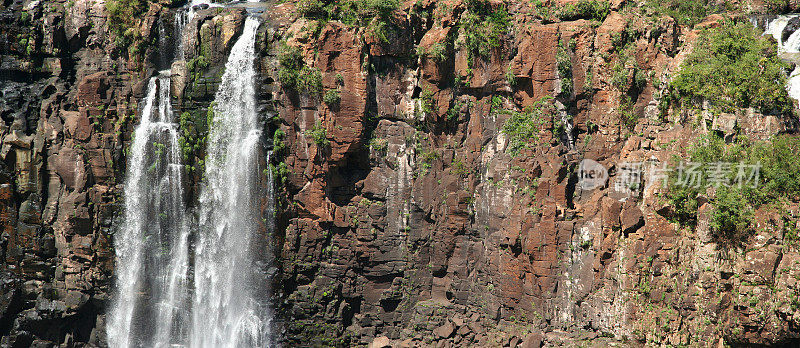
{"points": [[685, 12], [732, 217], [374, 14], [732, 67], [581, 9], [123, 15], [483, 27], [349, 12]]}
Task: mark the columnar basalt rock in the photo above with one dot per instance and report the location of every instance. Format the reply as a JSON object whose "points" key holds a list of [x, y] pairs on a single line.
{"points": [[405, 217], [434, 234]]}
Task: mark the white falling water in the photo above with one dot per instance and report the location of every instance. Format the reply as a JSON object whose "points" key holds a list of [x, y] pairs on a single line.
{"points": [[179, 23], [229, 307], [164, 296], [790, 46], [151, 303]]}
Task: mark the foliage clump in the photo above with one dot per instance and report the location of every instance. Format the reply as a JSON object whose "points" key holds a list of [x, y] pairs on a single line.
{"points": [[582, 9], [193, 137], [294, 74], [523, 127], [731, 221], [332, 97], [733, 66], [373, 14], [686, 12], [484, 27], [123, 16], [585, 9], [319, 134]]}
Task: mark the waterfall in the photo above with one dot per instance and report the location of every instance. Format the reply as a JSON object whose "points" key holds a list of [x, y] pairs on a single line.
{"points": [[165, 295], [151, 244], [181, 19], [789, 47], [229, 307]]}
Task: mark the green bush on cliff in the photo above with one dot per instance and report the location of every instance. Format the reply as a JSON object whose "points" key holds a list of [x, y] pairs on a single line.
{"points": [[581, 9], [332, 97], [194, 136], [585, 9], [123, 16], [732, 67], [564, 65], [483, 28], [686, 12], [295, 75], [523, 127], [731, 219], [319, 134], [350, 12]]}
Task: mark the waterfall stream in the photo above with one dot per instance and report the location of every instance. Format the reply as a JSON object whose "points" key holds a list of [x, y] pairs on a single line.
{"points": [[181, 283], [789, 47], [152, 244], [228, 306]]}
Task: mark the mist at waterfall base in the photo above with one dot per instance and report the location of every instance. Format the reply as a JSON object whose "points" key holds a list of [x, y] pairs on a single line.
{"points": [[196, 282]]}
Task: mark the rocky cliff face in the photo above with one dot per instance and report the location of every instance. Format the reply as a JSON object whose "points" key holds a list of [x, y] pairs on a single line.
{"points": [[408, 217]]}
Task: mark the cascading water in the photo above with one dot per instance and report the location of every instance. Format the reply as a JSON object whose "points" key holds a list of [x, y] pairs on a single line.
{"points": [[230, 287], [788, 45], [165, 296], [151, 303], [179, 23]]}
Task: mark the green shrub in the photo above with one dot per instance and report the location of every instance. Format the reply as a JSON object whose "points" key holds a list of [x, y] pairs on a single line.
{"points": [[731, 67], [309, 80], [281, 172], [483, 28], [382, 8], [437, 51], [683, 199], [350, 12], [319, 134], [332, 97], [426, 102], [278, 144], [686, 12], [380, 145], [510, 78], [193, 137], [295, 75], [581, 9], [310, 8], [627, 74], [585, 9], [731, 220], [780, 168], [123, 16], [455, 110], [523, 127]]}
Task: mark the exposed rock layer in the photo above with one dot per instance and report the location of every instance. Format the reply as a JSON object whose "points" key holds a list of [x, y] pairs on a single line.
{"points": [[411, 227]]}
